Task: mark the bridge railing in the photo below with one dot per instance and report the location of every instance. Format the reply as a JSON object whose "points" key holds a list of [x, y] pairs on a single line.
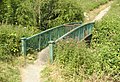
{"points": [[40, 40], [79, 33]]}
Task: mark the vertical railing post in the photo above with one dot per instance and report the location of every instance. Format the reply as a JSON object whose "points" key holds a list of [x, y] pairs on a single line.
{"points": [[24, 49], [51, 51], [82, 32], [39, 38], [79, 35], [58, 31], [50, 36]]}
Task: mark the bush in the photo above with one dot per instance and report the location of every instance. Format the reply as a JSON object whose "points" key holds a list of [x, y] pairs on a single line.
{"points": [[73, 61], [66, 11], [42, 13], [45, 13], [10, 40]]}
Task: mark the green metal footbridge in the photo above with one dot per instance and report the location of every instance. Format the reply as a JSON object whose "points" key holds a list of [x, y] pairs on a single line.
{"points": [[74, 30]]}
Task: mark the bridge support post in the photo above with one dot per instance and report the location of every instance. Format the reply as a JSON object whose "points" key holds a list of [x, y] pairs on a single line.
{"points": [[24, 51], [39, 39], [51, 51]]}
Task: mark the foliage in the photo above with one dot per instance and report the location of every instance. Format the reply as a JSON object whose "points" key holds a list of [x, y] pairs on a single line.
{"points": [[78, 63], [10, 40], [106, 41], [10, 48], [74, 57], [8, 73], [42, 13], [45, 13], [25, 13], [72, 62], [66, 11]]}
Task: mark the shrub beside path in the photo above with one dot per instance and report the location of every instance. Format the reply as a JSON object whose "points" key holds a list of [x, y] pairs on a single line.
{"points": [[31, 72]]}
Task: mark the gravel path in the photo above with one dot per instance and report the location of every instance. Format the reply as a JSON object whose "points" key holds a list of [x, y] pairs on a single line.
{"points": [[31, 73], [97, 13], [101, 14]]}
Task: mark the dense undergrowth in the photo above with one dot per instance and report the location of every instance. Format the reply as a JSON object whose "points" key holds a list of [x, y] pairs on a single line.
{"points": [[10, 51], [10, 40], [45, 13], [72, 62], [41, 13], [106, 41], [99, 63]]}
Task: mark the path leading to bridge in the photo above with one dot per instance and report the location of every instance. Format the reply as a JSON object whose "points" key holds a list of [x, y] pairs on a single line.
{"points": [[97, 13], [31, 72]]}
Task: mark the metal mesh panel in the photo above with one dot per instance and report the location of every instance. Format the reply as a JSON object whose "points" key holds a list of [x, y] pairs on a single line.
{"points": [[40, 41], [32, 43], [78, 33]]}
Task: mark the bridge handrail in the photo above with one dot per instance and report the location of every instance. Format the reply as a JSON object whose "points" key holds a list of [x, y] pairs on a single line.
{"points": [[68, 33], [40, 40], [45, 31], [53, 29]]}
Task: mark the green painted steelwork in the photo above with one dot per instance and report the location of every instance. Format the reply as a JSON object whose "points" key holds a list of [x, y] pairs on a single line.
{"points": [[51, 36], [79, 33], [40, 40], [51, 45], [24, 46]]}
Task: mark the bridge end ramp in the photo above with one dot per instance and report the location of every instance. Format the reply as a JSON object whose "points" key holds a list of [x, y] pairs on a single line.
{"points": [[43, 56]]}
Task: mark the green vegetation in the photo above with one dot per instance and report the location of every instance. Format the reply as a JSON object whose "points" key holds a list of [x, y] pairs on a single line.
{"points": [[45, 13], [78, 63], [88, 5], [73, 62], [9, 73], [10, 36], [42, 13], [10, 48], [22, 18], [106, 41], [101, 62]]}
